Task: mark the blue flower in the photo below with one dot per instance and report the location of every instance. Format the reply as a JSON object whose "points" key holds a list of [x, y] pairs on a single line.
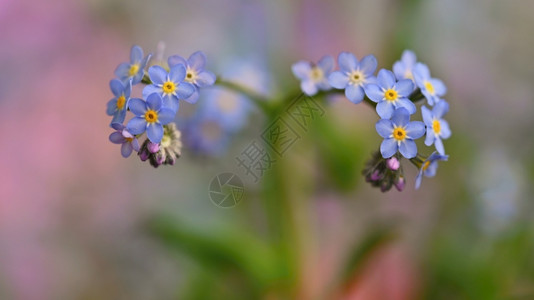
{"points": [[399, 133], [118, 105], [403, 68], [432, 88], [436, 127], [195, 73], [135, 69], [169, 85], [390, 94], [205, 135], [314, 77], [353, 75], [150, 116], [429, 167], [228, 107], [126, 139]]}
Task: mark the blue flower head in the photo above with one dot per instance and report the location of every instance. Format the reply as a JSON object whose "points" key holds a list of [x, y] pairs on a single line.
{"points": [[399, 134], [205, 135], [353, 76], [429, 167], [126, 139], [195, 73], [169, 85], [403, 68], [314, 77], [150, 116], [436, 127], [432, 88], [229, 108], [118, 105], [390, 94], [135, 69]]}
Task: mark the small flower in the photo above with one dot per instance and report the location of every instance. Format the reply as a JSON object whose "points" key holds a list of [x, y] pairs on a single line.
{"points": [[403, 68], [150, 117], [195, 73], [122, 136], [314, 77], [393, 163], [384, 173], [205, 135], [399, 134], [390, 94], [432, 88], [169, 85], [118, 105], [230, 109], [353, 75], [436, 127], [167, 151], [429, 167], [134, 70]]}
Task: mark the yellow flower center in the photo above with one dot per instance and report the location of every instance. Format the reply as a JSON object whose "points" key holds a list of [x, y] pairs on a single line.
{"points": [[425, 165], [399, 134], [356, 77], [190, 76], [391, 95], [316, 74], [169, 87], [120, 102], [436, 126], [129, 140], [133, 70], [429, 87], [151, 116]]}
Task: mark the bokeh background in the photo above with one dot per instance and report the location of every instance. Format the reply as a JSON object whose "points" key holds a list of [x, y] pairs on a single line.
{"points": [[77, 220]]}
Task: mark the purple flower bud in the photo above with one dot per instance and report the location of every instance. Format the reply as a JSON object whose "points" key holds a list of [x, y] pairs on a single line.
{"points": [[400, 183], [143, 155], [153, 147], [376, 176], [393, 163]]}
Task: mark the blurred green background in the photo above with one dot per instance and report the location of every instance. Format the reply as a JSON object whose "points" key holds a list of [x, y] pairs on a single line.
{"points": [[77, 221]]}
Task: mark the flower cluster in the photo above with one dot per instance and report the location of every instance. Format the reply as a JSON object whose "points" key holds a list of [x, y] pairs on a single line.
{"points": [[394, 94], [154, 113]]}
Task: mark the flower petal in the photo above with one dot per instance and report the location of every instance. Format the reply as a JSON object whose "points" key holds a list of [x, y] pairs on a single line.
{"points": [[154, 132], [354, 93], [136, 54], [374, 92], [388, 148], [427, 116], [368, 64], [347, 62], [153, 102], [176, 59], [301, 69], [171, 102], [407, 104], [166, 115], [385, 109], [408, 148], [445, 129], [116, 87], [185, 90], [386, 79], [308, 87], [116, 138], [157, 75], [111, 107], [137, 106], [338, 80], [135, 144], [440, 109], [122, 70], [150, 89], [205, 78], [197, 60], [399, 70], [408, 58], [421, 71], [418, 179], [384, 128], [177, 73], [415, 129], [193, 98], [439, 87], [439, 146], [430, 136], [126, 149], [326, 63], [136, 125], [119, 116], [404, 87], [117, 126]]}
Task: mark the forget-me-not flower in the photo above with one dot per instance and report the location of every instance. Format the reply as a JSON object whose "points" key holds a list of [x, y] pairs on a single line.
{"points": [[150, 116], [135, 69], [314, 77], [126, 139], [171, 86], [429, 167], [399, 134], [403, 68], [195, 73], [390, 94], [432, 88], [436, 127], [118, 105], [353, 75]]}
